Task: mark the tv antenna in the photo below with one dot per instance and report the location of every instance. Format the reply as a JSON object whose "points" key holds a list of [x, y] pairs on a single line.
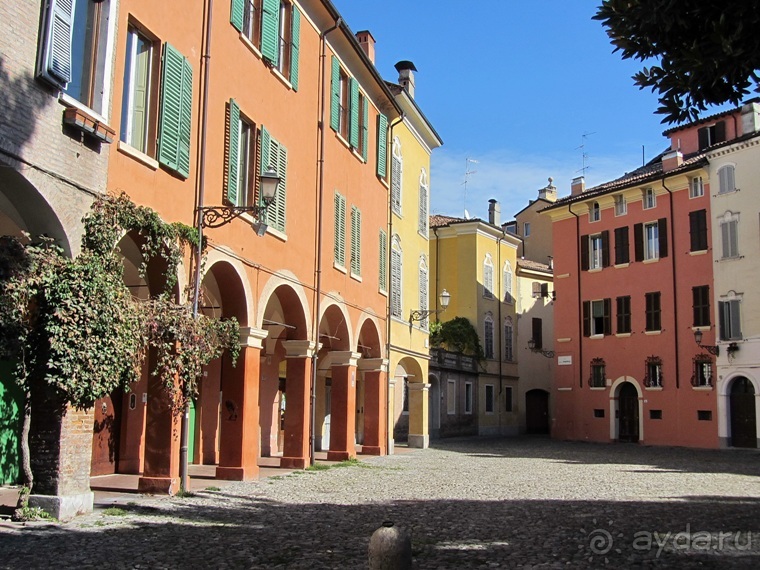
{"points": [[584, 154], [467, 174]]}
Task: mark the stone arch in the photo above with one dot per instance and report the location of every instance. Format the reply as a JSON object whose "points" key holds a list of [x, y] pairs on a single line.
{"points": [[369, 343], [725, 387], [291, 296]]}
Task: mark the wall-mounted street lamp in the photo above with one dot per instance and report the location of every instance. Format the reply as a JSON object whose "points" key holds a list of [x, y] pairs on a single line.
{"points": [[214, 217], [419, 315], [714, 350], [546, 353]]}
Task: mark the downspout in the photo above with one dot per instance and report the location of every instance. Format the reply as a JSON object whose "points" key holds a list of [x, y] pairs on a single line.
{"points": [[580, 297], [318, 271], [206, 62], [673, 280], [499, 323], [390, 277]]}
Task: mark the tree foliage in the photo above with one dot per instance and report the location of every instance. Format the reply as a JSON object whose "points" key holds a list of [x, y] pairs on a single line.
{"points": [[457, 335], [708, 52], [74, 327]]}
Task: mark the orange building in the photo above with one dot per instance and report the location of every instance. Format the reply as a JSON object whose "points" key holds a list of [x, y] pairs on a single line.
{"points": [[633, 274], [206, 97]]}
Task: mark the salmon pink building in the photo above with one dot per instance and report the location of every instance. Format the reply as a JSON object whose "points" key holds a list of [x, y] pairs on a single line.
{"points": [[634, 261]]}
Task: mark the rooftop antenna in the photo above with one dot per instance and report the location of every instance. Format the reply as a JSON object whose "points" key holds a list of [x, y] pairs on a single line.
{"points": [[584, 154], [467, 174]]}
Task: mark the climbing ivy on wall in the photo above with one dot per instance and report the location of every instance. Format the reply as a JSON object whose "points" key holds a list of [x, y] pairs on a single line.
{"points": [[74, 328], [457, 335]]}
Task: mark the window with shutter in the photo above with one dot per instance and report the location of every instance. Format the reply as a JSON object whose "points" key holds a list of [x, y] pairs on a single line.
{"points": [[488, 337], [340, 230], [76, 38], [275, 155], [623, 314], [396, 174], [507, 283], [356, 241], [396, 272], [354, 113], [730, 323], [622, 248], [508, 344], [729, 233], [176, 112], [422, 223], [382, 146], [488, 277], [726, 181], [295, 45], [363, 126], [701, 305], [698, 230], [537, 332], [233, 152], [383, 262], [270, 26], [423, 287], [653, 313]]}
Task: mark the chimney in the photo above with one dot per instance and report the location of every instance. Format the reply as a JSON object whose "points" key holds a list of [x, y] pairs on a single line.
{"points": [[494, 212], [405, 76], [549, 193], [367, 42], [578, 186], [672, 159], [750, 117]]}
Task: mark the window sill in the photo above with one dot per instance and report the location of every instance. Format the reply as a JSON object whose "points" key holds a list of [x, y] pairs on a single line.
{"points": [[652, 333], [137, 155], [564, 339], [726, 192], [702, 388], [594, 269], [356, 277], [424, 235], [89, 123], [623, 335], [621, 265], [340, 268], [595, 337], [732, 258], [284, 80], [653, 260], [382, 292], [358, 155], [343, 141], [699, 252], [249, 44], [597, 388], [653, 389], [274, 232], [69, 101], [703, 328]]}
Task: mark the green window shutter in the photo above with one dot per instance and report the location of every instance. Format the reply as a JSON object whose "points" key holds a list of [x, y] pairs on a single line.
{"points": [[56, 66], [365, 128], [295, 39], [340, 230], [356, 241], [233, 149], [270, 30], [335, 95], [174, 124], [382, 145], [264, 158], [353, 134], [383, 280], [237, 9]]}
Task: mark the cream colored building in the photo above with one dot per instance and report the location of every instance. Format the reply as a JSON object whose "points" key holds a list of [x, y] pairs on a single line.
{"points": [[734, 181], [412, 140]]}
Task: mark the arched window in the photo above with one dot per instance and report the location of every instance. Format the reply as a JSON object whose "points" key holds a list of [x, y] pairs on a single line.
{"points": [[488, 336], [422, 224], [507, 283], [488, 277], [509, 354], [423, 284], [396, 273], [396, 174]]}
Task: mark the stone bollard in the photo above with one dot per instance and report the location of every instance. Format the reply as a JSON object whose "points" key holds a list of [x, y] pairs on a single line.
{"points": [[390, 548]]}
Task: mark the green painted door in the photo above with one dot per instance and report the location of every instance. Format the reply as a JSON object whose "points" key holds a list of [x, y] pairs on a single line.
{"points": [[191, 434], [11, 403]]}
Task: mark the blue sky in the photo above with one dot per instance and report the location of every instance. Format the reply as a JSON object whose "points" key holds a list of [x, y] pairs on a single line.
{"points": [[514, 85]]}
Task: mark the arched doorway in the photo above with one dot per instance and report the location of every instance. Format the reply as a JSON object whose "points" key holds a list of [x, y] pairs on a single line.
{"points": [[742, 413], [537, 411], [628, 413]]}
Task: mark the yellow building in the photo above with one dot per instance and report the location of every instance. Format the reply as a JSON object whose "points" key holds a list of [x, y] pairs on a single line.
{"points": [[412, 139], [476, 262]]}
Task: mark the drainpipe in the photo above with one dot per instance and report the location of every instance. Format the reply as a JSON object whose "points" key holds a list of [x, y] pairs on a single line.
{"points": [[580, 297], [318, 271], [390, 277], [499, 323], [206, 61], [673, 280]]}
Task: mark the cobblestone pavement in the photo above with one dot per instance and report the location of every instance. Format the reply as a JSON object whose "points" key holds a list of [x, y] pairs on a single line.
{"points": [[494, 503]]}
